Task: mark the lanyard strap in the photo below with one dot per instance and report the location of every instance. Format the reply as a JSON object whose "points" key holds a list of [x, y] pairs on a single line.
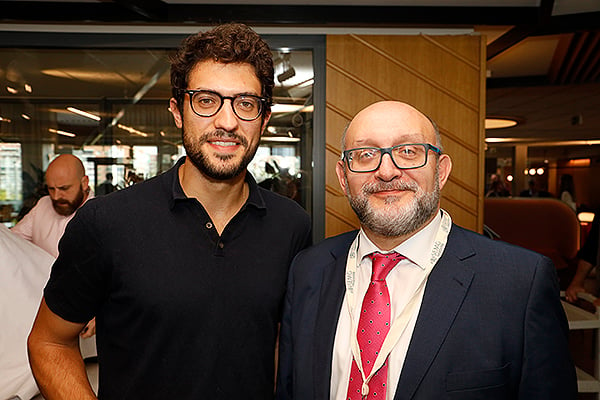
{"points": [[401, 321]]}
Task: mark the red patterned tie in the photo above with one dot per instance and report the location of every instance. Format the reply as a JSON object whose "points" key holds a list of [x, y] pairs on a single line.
{"points": [[373, 327]]}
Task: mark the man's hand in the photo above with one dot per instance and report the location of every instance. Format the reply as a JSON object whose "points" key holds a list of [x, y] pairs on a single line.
{"points": [[89, 330]]}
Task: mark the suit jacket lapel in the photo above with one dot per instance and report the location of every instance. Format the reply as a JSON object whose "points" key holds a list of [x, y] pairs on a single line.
{"points": [[330, 303], [444, 293]]}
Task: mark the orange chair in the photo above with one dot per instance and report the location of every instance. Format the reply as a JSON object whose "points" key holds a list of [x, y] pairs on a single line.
{"points": [[545, 225]]}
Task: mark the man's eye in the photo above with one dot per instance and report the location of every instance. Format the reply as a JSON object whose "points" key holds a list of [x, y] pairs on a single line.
{"points": [[367, 154], [205, 101], [246, 104], [406, 151]]}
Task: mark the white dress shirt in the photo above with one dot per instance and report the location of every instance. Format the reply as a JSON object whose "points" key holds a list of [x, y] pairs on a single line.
{"points": [[24, 270], [402, 282], [43, 226]]}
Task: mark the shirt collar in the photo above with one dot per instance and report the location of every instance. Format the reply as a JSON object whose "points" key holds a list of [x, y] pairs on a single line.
{"points": [[255, 198], [416, 248]]}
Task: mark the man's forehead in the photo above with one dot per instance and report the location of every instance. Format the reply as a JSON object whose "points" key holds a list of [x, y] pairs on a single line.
{"points": [[388, 123]]}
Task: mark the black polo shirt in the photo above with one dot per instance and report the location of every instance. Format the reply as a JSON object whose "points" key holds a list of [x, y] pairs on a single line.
{"points": [[181, 311]]}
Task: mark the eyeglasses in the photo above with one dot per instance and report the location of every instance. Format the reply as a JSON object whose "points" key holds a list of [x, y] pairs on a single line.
{"points": [[207, 103], [404, 156]]}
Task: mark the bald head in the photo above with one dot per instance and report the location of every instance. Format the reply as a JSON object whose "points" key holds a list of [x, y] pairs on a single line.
{"points": [[387, 115], [67, 183]]}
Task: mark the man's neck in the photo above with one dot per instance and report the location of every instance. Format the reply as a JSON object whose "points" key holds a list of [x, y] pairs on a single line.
{"points": [[222, 199], [387, 243]]}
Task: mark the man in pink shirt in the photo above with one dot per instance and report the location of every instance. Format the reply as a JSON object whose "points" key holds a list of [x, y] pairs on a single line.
{"points": [[68, 188], [44, 225]]}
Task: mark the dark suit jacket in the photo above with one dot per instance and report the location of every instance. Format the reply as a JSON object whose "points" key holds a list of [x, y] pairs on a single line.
{"points": [[491, 325]]}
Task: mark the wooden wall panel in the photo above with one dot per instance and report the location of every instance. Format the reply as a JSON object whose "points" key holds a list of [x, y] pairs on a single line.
{"points": [[443, 76]]}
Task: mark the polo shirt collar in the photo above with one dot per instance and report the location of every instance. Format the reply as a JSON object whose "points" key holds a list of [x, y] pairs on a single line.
{"points": [[255, 198]]}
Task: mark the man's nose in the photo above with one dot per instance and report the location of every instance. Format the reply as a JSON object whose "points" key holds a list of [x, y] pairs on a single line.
{"points": [[387, 170], [226, 119]]}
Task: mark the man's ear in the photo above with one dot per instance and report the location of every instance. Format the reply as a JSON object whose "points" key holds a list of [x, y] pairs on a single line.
{"points": [[175, 111], [339, 170], [85, 183], [444, 168]]}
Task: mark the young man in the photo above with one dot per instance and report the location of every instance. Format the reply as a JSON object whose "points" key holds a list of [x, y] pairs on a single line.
{"points": [[185, 272], [457, 316]]}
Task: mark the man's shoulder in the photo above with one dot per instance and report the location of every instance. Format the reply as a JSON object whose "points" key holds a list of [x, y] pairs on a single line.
{"points": [[284, 206], [140, 196], [337, 246]]}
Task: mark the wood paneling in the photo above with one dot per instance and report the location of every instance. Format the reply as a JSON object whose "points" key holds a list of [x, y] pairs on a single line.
{"points": [[443, 76]]}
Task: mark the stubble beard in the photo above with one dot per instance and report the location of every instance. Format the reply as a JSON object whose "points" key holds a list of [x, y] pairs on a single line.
{"points": [[393, 220], [223, 169]]}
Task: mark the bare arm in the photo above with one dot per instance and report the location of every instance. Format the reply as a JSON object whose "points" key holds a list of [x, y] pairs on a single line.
{"points": [[55, 359], [577, 284]]}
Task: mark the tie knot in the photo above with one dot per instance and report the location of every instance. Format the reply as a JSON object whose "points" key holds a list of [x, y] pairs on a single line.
{"points": [[383, 264]]}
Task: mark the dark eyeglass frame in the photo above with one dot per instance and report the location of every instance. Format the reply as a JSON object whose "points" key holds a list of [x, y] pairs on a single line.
{"points": [[388, 150], [262, 101]]}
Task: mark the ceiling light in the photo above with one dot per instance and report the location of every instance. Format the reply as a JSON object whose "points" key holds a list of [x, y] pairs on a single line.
{"points": [[63, 133], [2, 119], [286, 108], [132, 130], [500, 122], [84, 113], [25, 116], [281, 139], [579, 162], [28, 88], [290, 72], [12, 90]]}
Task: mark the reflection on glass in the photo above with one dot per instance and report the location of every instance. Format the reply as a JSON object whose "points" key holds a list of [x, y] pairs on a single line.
{"points": [[114, 103]]}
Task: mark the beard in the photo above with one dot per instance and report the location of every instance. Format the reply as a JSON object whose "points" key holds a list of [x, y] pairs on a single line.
{"points": [[66, 207], [393, 220], [223, 169]]}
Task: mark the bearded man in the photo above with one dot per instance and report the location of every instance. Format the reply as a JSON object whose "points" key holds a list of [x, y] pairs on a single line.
{"points": [[185, 272], [412, 306], [68, 189]]}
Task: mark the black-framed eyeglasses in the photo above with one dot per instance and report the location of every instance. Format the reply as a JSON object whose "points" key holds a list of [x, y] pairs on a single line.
{"points": [[207, 103], [404, 156]]}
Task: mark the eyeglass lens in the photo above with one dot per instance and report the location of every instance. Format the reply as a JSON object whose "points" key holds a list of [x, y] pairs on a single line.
{"points": [[207, 104], [404, 156]]}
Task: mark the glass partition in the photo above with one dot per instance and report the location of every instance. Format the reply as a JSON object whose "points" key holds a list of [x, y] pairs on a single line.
{"points": [[110, 108]]}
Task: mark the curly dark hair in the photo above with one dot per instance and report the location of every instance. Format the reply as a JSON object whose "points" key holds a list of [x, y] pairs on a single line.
{"points": [[227, 43]]}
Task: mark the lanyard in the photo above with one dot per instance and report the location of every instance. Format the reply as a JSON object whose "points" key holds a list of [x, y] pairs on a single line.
{"points": [[401, 322]]}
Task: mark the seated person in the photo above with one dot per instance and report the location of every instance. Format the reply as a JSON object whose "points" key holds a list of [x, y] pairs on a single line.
{"points": [[588, 257], [24, 270]]}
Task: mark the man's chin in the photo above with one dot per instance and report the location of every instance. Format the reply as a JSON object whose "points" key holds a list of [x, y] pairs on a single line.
{"points": [[63, 210]]}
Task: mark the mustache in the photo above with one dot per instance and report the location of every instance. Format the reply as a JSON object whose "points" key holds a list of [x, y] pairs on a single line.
{"points": [[223, 134], [374, 187]]}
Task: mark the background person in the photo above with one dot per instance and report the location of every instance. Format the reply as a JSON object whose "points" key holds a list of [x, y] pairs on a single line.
{"points": [[24, 270], [107, 186], [567, 191], [186, 271], [68, 189], [588, 257], [457, 316]]}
